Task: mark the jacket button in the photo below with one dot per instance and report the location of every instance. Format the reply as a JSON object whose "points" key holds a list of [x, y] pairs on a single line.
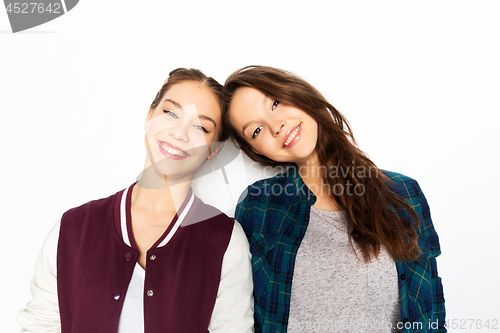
{"points": [[403, 276], [116, 295], [129, 256], [405, 320], [150, 293], [153, 257]]}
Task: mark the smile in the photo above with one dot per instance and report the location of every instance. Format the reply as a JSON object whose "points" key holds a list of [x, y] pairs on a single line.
{"points": [[292, 137], [172, 151]]}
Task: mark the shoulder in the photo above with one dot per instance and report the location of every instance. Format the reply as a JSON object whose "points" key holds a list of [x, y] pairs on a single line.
{"points": [[405, 186], [409, 189], [274, 204], [100, 207], [209, 210], [397, 178], [265, 184], [286, 184], [79, 225], [208, 225], [209, 215], [261, 194]]}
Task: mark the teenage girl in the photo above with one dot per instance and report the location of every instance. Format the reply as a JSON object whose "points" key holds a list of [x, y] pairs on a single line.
{"points": [[337, 244], [152, 257]]}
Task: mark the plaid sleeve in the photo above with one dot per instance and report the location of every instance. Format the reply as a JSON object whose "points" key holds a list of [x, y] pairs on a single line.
{"points": [[244, 215], [438, 308], [241, 213]]}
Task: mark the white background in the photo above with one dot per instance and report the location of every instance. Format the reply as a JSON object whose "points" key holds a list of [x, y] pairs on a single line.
{"points": [[418, 81]]}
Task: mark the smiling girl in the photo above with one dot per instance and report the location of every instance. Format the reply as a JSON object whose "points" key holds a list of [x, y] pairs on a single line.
{"points": [[337, 244], [152, 257]]}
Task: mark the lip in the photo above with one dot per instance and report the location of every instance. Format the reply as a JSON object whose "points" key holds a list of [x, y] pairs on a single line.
{"points": [[174, 157], [295, 139]]}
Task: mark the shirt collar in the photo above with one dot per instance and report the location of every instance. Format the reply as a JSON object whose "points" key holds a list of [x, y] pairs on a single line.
{"points": [[294, 187], [126, 218]]}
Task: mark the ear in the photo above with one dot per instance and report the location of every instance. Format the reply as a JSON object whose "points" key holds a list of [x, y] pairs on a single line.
{"points": [[148, 118], [215, 147]]}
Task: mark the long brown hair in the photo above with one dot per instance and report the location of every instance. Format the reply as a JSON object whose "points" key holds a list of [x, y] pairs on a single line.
{"points": [[190, 74], [370, 215]]}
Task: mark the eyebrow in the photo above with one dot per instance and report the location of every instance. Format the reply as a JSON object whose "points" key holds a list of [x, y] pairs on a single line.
{"points": [[177, 105], [208, 118], [249, 122]]}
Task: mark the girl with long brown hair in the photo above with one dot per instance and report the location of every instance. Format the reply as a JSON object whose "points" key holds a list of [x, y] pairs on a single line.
{"points": [[337, 244]]}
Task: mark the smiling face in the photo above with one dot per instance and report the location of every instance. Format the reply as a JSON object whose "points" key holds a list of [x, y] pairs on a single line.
{"points": [[280, 132], [180, 129]]}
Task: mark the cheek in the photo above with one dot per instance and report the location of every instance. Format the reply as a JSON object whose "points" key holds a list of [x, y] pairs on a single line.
{"points": [[197, 139], [201, 151], [212, 142], [150, 136], [158, 126], [161, 123], [267, 140]]}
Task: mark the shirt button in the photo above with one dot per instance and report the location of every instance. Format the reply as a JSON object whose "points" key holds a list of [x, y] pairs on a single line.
{"points": [[116, 295], [153, 257], [150, 293], [129, 256], [403, 276]]}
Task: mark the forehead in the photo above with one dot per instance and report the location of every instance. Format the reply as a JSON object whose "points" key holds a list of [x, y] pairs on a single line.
{"points": [[192, 93], [246, 96], [245, 105]]}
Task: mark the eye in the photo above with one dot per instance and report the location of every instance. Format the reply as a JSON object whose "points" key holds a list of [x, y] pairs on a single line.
{"points": [[256, 132], [171, 114], [201, 128], [275, 104]]}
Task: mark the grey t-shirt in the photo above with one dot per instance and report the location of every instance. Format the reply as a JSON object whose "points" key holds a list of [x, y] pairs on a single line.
{"points": [[333, 290]]}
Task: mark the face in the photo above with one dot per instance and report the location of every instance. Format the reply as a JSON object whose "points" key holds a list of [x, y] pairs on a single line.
{"points": [[280, 132], [180, 129]]}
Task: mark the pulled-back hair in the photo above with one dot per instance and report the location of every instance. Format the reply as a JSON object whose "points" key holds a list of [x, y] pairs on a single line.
{"points": [[190, 74], [371, 215]]}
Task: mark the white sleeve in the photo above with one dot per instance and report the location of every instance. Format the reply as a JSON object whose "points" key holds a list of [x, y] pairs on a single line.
{"points": [[233, 311], [42, 313]]}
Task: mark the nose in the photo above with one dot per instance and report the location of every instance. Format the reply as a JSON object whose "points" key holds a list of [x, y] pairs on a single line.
{"points": [[180, 132], [277, 126]]}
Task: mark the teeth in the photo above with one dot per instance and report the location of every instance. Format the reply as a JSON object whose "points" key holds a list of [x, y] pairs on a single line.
{"points": [[172, 151], [292, 135]]}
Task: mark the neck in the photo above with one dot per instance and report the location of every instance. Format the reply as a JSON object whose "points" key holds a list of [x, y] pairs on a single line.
{"points": [[157, 194], [311, 171]]}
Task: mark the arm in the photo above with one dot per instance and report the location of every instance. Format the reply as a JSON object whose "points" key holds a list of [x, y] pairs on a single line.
{"points": [[233, 311], [438, 308], [42, 313]]}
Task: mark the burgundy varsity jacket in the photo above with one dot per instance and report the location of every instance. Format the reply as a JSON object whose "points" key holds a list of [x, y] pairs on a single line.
{"points": [[94, 268]]}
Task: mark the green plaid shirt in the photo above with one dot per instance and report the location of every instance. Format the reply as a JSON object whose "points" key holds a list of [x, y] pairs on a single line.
{"points": [[275, 213]]}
